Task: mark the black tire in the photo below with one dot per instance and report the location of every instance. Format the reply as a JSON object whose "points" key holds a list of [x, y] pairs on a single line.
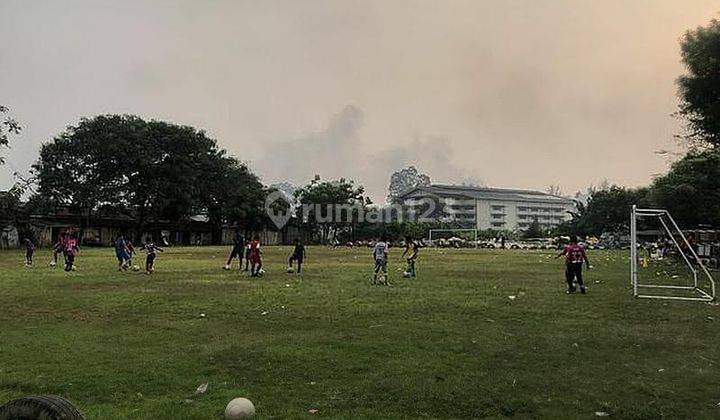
{"points": [[40, 407]]}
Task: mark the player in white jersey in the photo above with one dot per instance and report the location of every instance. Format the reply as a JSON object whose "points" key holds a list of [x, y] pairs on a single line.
{"points": [[380, 254]]}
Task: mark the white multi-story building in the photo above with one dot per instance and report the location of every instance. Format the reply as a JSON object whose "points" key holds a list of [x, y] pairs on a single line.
{"points": [[490, 208]]}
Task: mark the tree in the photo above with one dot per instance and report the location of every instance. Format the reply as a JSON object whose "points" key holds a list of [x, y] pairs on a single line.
{"points": [[691, 189], [534, 230], [8, 127], [327, 206], [607, 209], [153, 169], [699, 88], [403, 180]]}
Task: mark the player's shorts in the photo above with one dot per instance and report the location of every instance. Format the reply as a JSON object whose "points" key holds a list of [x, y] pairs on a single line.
{"points": [[150, 259], [122, 256], [255, 258], [237, 252], [381, 264], [297, 257]]}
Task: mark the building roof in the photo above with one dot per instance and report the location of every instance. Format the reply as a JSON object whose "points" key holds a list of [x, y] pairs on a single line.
{"points": [[484, 193]]}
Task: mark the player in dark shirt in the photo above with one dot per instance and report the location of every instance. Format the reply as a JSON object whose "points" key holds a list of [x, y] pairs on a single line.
{"points": [[237, 251], [298, 256], [29, 251]]}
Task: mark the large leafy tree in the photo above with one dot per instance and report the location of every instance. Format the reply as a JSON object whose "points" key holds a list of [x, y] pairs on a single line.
{"points": [[699, 88], [691, 189], [154, 169], [607, 210], [328, 206], [403, 180]]}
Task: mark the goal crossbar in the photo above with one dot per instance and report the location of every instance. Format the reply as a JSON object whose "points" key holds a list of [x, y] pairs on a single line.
{"points": [[671, 228]]}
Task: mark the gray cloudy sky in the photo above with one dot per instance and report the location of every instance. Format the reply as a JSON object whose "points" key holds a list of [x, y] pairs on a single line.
{"points": [[512, 93]]}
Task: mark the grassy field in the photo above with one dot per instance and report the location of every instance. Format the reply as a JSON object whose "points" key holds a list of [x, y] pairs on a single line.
{"points": [[448, 344]]}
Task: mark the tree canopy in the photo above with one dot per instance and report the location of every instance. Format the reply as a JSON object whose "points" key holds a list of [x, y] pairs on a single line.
{"points": [[155, 169], [699, 88]]}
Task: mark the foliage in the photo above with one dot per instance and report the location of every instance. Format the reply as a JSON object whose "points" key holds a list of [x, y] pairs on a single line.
{"points": [[403, 180], [8, 127], [699, 88], [691, 189], [327, 206], [154, 169]]}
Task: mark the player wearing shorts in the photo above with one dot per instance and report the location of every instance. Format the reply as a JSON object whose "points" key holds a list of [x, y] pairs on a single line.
{"points": [[29, 251], [247, 255], [411, 251], [151, 250], [574, 257], [122, 253], [298, 255], [380, 255], [58, 248], [70, 250], [255, 257], [237, 251]]}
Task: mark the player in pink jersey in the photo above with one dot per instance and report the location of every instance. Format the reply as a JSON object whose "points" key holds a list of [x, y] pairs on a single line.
{"points": [[574, 257]]}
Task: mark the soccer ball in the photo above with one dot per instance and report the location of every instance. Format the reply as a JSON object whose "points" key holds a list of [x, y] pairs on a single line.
{"points": [[227, 267], [290, 270], [261, 272], [53, 264], [407, 274], [135, 268], [239, 408]]}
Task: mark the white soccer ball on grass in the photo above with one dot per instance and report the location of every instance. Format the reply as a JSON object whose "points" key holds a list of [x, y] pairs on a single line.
{"points": [[227, 267], [135, 268], [290, 270], [239, 408]]}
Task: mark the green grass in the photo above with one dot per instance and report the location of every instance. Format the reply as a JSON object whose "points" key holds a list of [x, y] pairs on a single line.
{"points": [[448, 344]]}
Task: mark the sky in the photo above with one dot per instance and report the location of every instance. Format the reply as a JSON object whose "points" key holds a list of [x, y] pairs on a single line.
{"points": [[506, 93]]}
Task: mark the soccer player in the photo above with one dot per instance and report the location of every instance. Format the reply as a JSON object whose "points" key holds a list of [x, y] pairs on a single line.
{"points": [[574, 257], [70, 250], [58, 247], [411, 250], [151, 250], [297, 255], [237, 250], [248, 251], [122, 253], [380, 254], [29, 251], [255, 257]]}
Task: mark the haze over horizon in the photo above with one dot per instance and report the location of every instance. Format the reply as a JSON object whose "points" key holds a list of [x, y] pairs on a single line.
{"points": [[520, 94]]}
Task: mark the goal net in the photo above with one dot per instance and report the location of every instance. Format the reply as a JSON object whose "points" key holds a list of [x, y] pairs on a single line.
{"points": [[663, 261], [453, 238]]}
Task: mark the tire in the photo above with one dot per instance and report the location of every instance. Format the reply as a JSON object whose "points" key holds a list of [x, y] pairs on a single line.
{"points": [[40, 407]]}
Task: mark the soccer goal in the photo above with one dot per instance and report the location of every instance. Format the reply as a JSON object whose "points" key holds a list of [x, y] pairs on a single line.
{"points": [[453, 237], [663, 262]]}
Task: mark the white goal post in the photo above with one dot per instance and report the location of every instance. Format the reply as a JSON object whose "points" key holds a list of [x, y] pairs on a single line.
{"points": [[686, 251], [473, 231]]}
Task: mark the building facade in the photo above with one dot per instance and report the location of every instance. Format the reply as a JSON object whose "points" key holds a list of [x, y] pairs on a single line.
{"points": [[488, 208]]}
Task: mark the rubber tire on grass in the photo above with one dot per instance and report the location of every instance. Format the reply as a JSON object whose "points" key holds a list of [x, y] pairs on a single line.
{"points": [[40, 407]]}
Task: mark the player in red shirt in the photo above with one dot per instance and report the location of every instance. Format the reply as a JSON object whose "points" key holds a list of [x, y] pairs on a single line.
{"points": [[255, 257], [574, 257]]}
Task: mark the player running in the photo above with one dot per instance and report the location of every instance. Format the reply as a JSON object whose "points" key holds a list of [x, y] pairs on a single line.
{"points": [[237, 251], [248, 251], [70, 250], [29, 251], [297, 255], [122, 253], [151, 250], [380, 254], [255, 257], [58, 248], [411, 250], [574, 257]]}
